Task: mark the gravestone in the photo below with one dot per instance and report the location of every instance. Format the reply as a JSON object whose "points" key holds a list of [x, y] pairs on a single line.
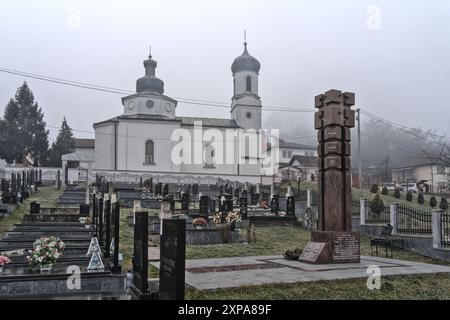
{"points": [[185, 202], [164, 213], [35, 208], [139, 288], [172, 260], [100, 213], [275, 204], [228, 202], [204, 206], [290, 206], [165, 190], [243, 207], [115, 232], [334, 241], [107, 231], [94, 213], [84, 210]]}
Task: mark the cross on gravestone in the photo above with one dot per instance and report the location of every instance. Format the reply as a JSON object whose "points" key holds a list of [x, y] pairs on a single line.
{"points": [[334, 241], [172, 260], [243, 207], [139, 288]]}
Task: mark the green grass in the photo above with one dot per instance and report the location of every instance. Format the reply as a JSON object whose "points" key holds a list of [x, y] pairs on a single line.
{"points": [[46, 196], [392, 288]]}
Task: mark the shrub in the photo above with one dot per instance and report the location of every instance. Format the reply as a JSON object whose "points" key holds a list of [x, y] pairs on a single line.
{"points": [[374, 188], [409, 196], [443, 205], [433, 202], [397, 193], [385, 191], [420, 198], [377, 205]]}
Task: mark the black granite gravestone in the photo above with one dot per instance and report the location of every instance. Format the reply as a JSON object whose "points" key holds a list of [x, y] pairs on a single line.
{"points": [[185, 202], [100, 221], [139, 289], [204, 206], [165, 190], [275, 204], [35, 208], [84, 210], [115, 267], [243, 207], [228, 203], [172, 260], [290, 206], [107, 233], [94, 214]]}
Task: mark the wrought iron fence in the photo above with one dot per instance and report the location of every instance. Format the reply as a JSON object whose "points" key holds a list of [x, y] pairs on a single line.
{"points": [[445, 231], [413, 221], [383, 217]]}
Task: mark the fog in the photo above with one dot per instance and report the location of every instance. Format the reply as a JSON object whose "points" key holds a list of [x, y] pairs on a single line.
{"points": [[394, 56]]}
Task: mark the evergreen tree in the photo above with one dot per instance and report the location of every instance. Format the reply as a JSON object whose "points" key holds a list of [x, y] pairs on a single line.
{"points": [[443, 205], [385, 191], [22, 129], [433, 202], [377, 204], [397, 193], [374, 188], [64, 144], [409, 196], [420, 198]]}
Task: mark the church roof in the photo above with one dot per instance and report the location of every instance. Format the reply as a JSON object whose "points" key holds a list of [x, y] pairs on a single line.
{"points": [[209, 122], [184, 121], [77, 156], [84, 143]]}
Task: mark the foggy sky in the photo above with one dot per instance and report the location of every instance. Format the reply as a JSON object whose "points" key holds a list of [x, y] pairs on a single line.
{"points": [[400, 72]]}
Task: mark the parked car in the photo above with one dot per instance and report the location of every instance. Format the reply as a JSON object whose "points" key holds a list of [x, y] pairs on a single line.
{"points": [[389, 185], [409, 186]]}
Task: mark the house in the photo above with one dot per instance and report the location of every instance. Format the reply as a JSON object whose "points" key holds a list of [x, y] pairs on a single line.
{"points": [[300, 167], [435, 172], [76, 165]]}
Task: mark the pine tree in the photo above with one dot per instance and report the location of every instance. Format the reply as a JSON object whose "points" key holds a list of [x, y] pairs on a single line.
{"points": [[22, 129], [433, 202], [397, 193], [63, 144], [443, 205], [420, 198]]}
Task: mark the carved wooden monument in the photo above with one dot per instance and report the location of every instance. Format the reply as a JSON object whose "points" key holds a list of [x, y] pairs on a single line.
{"points": [[334, 241]]}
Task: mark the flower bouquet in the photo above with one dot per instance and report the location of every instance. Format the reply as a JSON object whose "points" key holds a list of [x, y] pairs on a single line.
{"points": [[88, 222], [3, 262], [293, 254], [217, 217], [232, 218], [45, 252], [263, 204], [199, 223]]}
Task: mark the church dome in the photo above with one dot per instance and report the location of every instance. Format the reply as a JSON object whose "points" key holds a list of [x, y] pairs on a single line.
{"points": [[150, 83], [245, 62]]}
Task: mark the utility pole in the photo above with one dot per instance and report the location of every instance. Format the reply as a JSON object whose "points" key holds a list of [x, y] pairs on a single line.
{"points": [[358, 118]]}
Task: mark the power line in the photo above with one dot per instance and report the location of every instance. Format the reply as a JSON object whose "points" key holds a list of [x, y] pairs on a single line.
{"points": [[106, 89]]}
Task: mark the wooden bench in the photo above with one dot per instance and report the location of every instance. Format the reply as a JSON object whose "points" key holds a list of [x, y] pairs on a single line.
{"points": [[386, 241]]}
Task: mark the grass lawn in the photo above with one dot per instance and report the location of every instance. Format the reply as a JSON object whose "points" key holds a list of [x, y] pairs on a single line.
{"points": [[46, 196]]}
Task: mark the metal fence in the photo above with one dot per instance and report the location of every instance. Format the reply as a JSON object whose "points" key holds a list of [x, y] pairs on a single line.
{"points": [[445, 232], [413, 221], [384, 217]]}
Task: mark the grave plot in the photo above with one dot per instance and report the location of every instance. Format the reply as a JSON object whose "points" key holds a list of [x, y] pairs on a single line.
{"points": [[218, 273], [20, 279], [72, 196]]}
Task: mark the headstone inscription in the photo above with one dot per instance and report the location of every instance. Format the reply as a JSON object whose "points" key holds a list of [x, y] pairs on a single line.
{"points": [[172, 260], [333, 121], [139, 288]]}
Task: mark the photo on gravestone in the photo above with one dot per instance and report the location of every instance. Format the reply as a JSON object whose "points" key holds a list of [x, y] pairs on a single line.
{"points": [[172, 260]]}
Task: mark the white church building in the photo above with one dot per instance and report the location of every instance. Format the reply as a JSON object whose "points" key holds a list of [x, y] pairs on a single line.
{"points": [[148, 136]]}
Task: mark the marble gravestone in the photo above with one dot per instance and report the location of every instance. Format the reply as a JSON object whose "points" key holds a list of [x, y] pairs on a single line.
{"points": [[334, 241]]}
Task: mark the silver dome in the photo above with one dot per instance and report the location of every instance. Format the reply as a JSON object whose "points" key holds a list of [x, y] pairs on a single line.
{"points": [[245, 62]]}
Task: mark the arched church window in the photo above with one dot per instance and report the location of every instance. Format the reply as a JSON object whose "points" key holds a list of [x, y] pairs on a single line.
{"points": [[248, 84], [149, 152]]}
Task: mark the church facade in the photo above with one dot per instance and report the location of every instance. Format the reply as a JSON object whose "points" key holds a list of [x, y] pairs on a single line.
{"points": [[147, 137]]}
